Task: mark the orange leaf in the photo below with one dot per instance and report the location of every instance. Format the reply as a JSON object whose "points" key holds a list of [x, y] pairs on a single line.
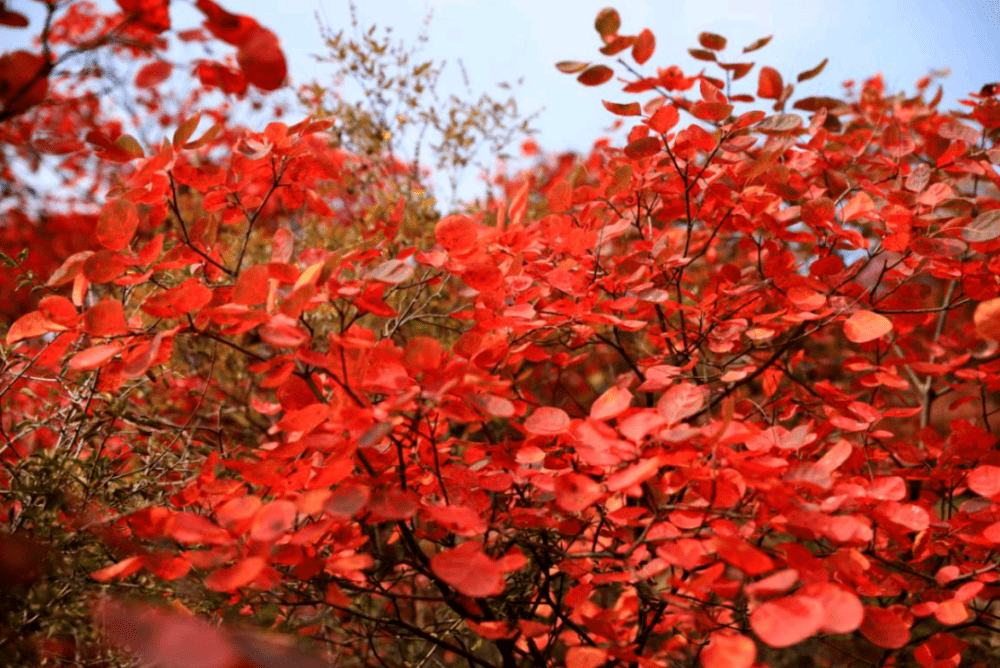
{"points": [[843, 608], [951, 612], [865, 326]]}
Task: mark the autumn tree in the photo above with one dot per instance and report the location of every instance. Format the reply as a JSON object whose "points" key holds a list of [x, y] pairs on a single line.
{"points": [[722, 396]]}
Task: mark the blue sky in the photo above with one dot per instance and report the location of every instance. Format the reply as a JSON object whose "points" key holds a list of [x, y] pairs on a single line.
{"points": [[504, 40], [508, 39]]}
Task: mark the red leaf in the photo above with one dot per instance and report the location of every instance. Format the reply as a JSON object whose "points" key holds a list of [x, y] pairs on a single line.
{"points": [[857, 206], [679, 402], [865, 326], [809, 74], [663, 119], [459, 520], [757, 44], [644, 148], [272, 521], [951, 612], [12, 19], [586, 657], [262, 61], [784, 622], [232, 29], [117, 224], [457, 234], [740, 554], [547, 421], [238, 575], [519, 204], [392, 272], [769, 85], [422, 353], [711, 111], [154, 73], [607, 22], [235, 511], [251, 287], [644, 46], [987, 319], [596, 75], [843, 609], [633, 475], [483, 276], [628, 109], [984, 480], [189, 529], [29, 326], [105, 318], [469, 571], [122, 569], [884, 628], [24, 81], [571, 66], [93, 357], [576, 492], [612, 403], [712, 41], [346, 501], [729, 651]]}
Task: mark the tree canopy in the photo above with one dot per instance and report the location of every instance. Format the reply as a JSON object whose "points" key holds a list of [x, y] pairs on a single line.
{"points": [[722, 396]]}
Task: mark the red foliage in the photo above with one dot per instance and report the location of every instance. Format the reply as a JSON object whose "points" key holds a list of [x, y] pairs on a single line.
{"points": [[688, 397]]}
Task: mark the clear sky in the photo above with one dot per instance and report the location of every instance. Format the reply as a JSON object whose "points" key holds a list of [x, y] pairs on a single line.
{"points": [[504, 40]]}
